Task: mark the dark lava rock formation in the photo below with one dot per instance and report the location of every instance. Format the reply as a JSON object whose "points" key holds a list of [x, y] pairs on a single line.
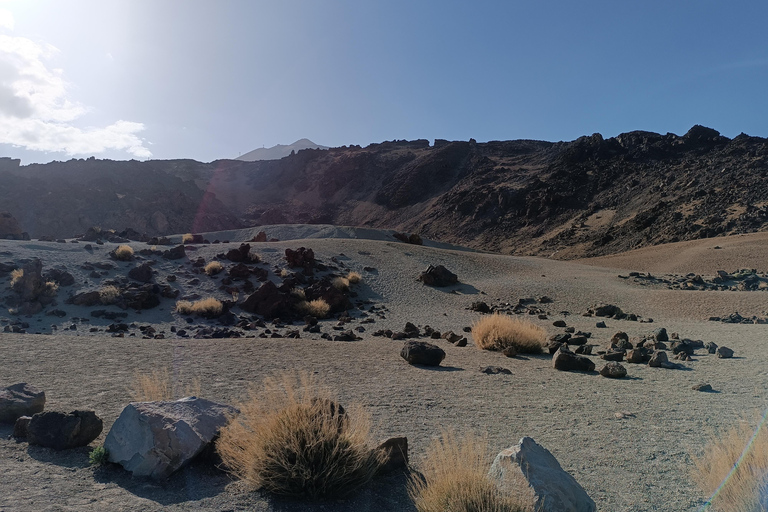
{"points": [[588, 197]]}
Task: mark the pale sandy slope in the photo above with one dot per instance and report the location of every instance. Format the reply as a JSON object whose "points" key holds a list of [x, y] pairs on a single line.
{"points": [[639, 463]]}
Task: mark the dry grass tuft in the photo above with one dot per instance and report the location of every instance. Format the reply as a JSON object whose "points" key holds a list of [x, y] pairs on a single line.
{"points": [[158, 386], [51, 289], [455, 478], [213, 268], [254, 257], [744, 490], [340, 283], [187, 238], [497, 332], [354, 277], [317, 308], [208, 307], [299, 293], [292, 438], [123, 253], [109, 294], [16, 276]]}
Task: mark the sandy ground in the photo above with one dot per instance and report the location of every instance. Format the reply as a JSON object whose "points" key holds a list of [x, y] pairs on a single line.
{"points": [[640, 462]]}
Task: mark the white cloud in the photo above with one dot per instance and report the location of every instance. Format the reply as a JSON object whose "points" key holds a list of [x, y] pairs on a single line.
{"points": [[36, 114], [6, 19]]}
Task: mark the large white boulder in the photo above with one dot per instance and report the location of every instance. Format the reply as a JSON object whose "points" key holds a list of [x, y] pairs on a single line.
{"points": [[555, 489], [155, 439]]}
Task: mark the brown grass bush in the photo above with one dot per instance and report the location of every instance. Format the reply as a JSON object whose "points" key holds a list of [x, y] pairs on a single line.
{"points": [[454, 477], [317, 308], [109, 294], [213, 268], [497, 332], [187, 238], [340, 283], [156, 386], [299, 293], [208, 307], [123, 253], [737, 460], [354, 277], [51, 289], [292, 438], [16, 276]]}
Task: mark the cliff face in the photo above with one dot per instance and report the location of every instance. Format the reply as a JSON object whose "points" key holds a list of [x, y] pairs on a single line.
{"points": [[591, 196]]}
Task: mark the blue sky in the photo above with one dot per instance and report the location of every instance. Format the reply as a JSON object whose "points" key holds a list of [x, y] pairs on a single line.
{"points": [[208, 80]]}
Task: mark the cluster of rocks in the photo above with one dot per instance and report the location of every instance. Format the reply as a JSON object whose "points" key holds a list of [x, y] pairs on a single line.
{"points": [[23, 406], [742, 280], [651, 350], [736, 318], [413, 238], [614, 312], [524, 306]]}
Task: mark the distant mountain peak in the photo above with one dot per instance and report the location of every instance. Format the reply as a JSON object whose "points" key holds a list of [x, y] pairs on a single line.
{"points": [[279, 151]]}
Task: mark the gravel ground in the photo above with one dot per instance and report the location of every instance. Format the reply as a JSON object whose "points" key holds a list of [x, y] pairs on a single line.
{"points": [[638, 462]]}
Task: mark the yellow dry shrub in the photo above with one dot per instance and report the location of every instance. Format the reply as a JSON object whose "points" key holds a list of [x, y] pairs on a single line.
{"points": [[123, 253], [292, 438], [317, 308], [354, 277], [734, 468], [299, 293], [156, 386], [51, 288], [497, 332], [340, 283], [16, 275], [187, 238], [454, 477], [213, 268], [208, 308], [109, 294]]}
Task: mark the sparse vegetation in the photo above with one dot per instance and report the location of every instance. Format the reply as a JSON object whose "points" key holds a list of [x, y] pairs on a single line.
{"points": [[109, 294], [208, 307], [16, 275], [253, 257], [187, 238], [354, 277], [734, 468], [155, 386], [98, 456], [497, 332], [455, 478], [123, 253], [50, 290], [213, 268], [340, 283], [299, 293], [317, 308], [292, 438]]}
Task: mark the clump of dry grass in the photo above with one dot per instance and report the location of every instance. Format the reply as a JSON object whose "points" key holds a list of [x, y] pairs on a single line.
{"points": [[187, 238], [51, 288], [734, 468], [354, 277], [497, 332], [109, 294], [455, 478], [156, 386], [123, 253], [317, 308], [208, 307], [213, 268], [292, 438], [16, 276], [299, 293], [254, 257], [340, 283]]}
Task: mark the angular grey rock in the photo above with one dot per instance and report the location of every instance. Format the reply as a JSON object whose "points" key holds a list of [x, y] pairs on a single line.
{"points": [[658, 359], [155, 439], [421, 352], [555, 489], [613, 370], [438, 276], [724, 352], [396, 450], [704, 388], [21, 426], [18, 400], [61, 431], [660, 334], [565, 360], [711, 347]]}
